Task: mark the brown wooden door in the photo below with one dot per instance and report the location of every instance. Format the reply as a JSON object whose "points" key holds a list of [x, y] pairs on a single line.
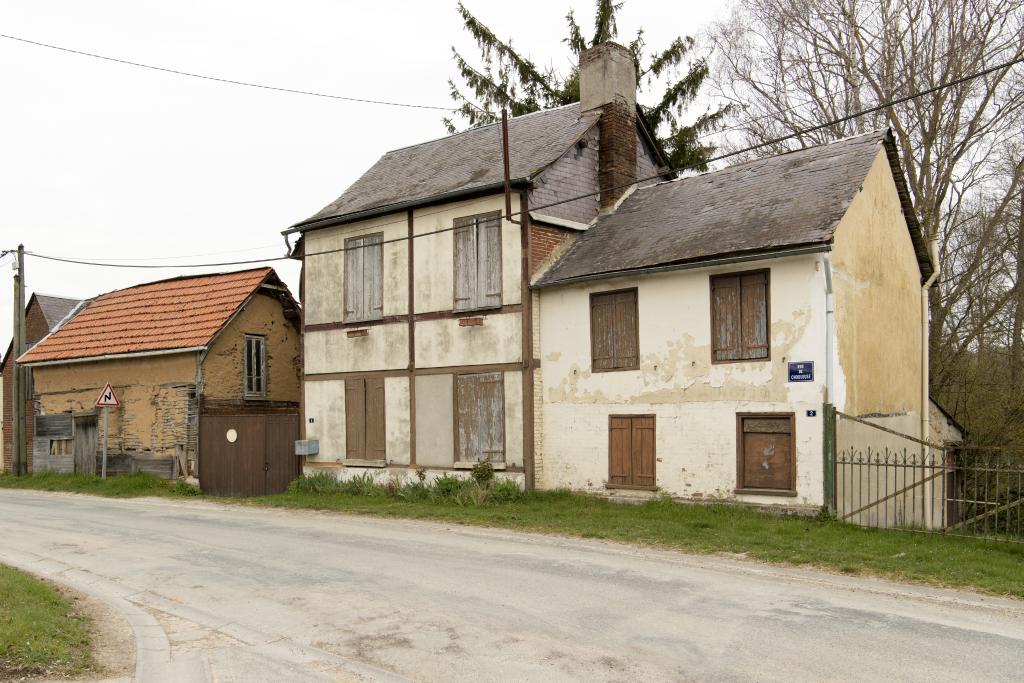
{"points": [[364, 419], [247, 455], [766, 458], [84, 446], [631, 451], [480, 417]]}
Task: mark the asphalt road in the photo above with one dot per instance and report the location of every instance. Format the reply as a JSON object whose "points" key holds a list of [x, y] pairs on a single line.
{"points": [[237, 594]]}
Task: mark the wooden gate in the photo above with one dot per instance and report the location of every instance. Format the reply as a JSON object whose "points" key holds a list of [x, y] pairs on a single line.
{"points": [[247, 455]]}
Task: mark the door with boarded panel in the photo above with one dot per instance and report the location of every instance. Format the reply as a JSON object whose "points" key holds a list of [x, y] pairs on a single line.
{"points": [[84, 447], [766, 461], [631, 451], [364, 419], [480, 417]]}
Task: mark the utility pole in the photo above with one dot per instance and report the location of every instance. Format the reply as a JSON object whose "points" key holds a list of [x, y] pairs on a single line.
{"points": [[19, 460]]}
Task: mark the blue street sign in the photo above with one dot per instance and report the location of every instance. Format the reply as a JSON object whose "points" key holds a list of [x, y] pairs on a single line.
{"points": [[801, 372]]}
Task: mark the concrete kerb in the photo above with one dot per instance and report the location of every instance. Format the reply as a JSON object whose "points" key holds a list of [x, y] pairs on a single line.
{"points": [[152, 649]]}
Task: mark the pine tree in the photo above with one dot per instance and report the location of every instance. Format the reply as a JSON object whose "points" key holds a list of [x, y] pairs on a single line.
{"points": [[509, 80]]}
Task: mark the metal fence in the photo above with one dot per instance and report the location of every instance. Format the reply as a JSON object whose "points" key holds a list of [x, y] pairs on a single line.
{"points": [[882, 477]]}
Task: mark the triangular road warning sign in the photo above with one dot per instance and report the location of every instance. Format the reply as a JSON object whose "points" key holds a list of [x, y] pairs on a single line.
{"points": [[107, 398]]}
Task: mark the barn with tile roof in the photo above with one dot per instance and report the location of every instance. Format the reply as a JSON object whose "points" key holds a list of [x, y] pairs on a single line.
{"points": [[180, 354]]}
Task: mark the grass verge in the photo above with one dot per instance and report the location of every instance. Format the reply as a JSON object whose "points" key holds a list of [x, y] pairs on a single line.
{"points": [[916, 557], [40, 632]]}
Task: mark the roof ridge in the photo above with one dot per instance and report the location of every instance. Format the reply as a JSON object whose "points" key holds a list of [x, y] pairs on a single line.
{"points": [[486, 125]]}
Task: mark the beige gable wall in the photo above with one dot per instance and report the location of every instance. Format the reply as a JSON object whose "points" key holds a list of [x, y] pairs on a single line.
{"points": [[878, 305]]}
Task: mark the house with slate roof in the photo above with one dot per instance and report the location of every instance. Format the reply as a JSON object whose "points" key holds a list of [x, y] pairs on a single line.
{"points": [[178, 353], [620, 330], [43, 314]]}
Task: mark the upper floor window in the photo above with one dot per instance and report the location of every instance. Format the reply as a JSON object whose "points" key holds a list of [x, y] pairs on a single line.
{"points": [[739, 316], [255, 366], [614, 337], [478, 261], [364, 286]]}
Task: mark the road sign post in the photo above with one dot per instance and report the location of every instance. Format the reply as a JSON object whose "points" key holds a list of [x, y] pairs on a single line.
{"points": [[107, 400]]}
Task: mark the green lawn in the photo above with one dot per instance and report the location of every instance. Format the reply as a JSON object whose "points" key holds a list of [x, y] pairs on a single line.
{"points": [[991, 567], [40, 634]]}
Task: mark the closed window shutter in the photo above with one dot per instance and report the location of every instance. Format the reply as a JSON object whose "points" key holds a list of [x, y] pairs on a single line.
{"points": [[626, 330], [602, 332], [373, 282], [480, 420], [355, 418], [754, 306], [619, 451], [489, 278], [375, 433], [725, 318], [465, 264], [354, 279]]}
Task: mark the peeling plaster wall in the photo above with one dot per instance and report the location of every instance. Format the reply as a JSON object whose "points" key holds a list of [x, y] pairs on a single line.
{"points": [[325, 417], [153, 391], [444, 343], [695, 401], [224, 366], [384, 347], [878, 303]]}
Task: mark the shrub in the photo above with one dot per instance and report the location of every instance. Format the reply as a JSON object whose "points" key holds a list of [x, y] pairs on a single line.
{"points": [[505, 491], [361, 485], [321, 482], [415, 492], [183, 488], [448, 486], [483, 473]]}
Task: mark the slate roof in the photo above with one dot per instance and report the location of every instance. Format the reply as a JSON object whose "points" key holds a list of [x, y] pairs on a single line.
{"points": [[790, 200], [172, 314], [457, 164], [55, 308]]}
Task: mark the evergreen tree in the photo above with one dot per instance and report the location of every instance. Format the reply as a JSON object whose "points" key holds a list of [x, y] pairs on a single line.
{"points": [[509, 80]]}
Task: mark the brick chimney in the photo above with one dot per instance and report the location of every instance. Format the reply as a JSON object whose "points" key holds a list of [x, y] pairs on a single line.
{"points": [[608, 86]]}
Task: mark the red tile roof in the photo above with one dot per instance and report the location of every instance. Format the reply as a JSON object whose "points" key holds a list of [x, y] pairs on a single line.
{"points": [[160, 316]]}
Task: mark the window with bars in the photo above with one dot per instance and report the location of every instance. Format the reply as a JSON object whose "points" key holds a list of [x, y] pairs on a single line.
{"points": [[614, 334], [478, 261], [255, 366], [364, 287], [739, 316]]}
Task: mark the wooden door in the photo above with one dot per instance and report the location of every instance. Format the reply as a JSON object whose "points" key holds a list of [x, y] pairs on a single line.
{"points": [[631, 452], [365, 437], [84, 446], [480, 417], [765, 456]]}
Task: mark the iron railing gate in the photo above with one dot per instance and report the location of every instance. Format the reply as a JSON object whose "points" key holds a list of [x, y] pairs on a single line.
{"points": [[881, 477]]}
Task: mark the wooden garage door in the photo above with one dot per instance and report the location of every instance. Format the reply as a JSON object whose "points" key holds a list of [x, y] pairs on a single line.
{"points": [[765, 458], [247, 455], [631, 452]]}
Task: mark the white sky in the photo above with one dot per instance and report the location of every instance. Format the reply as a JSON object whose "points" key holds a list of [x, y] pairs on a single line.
{"points": [[106, 161]]}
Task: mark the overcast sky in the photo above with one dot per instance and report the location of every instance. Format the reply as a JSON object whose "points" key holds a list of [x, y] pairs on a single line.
{"points": [[106, 161]]}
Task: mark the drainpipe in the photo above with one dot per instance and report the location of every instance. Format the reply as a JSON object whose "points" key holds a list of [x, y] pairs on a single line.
{"points": [[830, 327], [933, 255]]}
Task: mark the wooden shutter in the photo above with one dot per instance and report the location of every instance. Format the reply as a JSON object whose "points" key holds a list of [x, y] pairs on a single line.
{"points": [[465, 264], [480, 418], [353, 279], [766, 453], [619, 451], [613, 331], [631, 451], [373, 277], [725, 317], [602, 332], [489, 262], [642, 451], [375, 437], [355, 418], [626, 330], [754, 314]]}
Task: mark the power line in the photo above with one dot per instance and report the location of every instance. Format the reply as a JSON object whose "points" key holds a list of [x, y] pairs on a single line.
{"points": [[658, 176], [230, 81]]}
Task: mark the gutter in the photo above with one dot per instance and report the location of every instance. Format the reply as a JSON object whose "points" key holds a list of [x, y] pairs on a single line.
{"points": [[112, 356], [403, 206], [702, 263], [830, 327], [933, 256]]}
